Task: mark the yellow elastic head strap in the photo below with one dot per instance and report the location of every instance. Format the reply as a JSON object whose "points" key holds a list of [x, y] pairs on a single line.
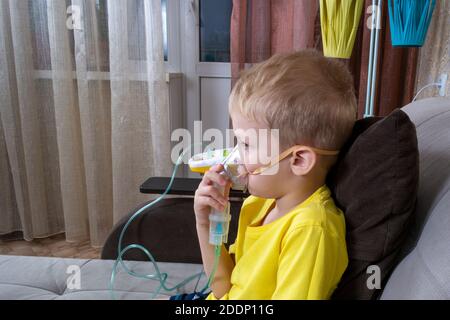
{"points": [[289, 151]]}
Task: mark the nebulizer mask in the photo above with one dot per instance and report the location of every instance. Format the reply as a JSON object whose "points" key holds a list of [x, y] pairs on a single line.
{"points": [[229, 158], [231, 161]]}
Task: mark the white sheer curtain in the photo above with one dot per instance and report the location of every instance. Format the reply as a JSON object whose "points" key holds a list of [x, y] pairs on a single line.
{"points": [[84, 114]]}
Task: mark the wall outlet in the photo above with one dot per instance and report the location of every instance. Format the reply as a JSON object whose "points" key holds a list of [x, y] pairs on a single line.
{"points": [[443, 84]]}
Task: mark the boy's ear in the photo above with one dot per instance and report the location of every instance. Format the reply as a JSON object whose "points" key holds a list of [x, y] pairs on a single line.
{"points": [[303, 161]]}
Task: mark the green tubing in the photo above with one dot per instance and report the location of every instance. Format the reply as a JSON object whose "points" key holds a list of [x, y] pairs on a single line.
{"points": [[216, 264], [159, 276]]}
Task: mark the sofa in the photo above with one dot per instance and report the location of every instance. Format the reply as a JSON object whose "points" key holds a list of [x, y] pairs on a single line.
{"points": [[168, 231]]}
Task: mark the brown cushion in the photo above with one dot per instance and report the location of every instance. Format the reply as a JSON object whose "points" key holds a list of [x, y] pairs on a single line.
{"points": [[375, 183]]}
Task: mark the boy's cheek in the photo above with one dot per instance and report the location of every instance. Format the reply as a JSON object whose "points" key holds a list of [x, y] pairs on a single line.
{"points": [[261, 186]]}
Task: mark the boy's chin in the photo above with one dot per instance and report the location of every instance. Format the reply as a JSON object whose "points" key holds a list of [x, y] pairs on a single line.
{"points": [[260, 193]]}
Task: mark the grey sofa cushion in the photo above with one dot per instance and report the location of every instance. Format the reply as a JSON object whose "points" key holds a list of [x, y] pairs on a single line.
{"points": [[425, 271], [46, 278]]}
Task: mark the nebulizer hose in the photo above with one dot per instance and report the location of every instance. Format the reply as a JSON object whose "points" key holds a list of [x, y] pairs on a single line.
{"points": [[159, 276]]}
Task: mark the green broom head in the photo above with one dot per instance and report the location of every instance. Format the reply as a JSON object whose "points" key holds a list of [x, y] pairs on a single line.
{"points": [[409, 21], [339, 22]]}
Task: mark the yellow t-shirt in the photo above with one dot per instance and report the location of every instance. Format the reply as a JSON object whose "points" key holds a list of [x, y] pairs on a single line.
{"points": [[301, 255]]}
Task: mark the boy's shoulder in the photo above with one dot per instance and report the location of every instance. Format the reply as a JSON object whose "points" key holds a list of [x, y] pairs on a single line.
{"points": [[320, 210]]}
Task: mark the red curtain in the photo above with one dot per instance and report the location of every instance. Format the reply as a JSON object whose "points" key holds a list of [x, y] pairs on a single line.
{"points": [[261, 28]]}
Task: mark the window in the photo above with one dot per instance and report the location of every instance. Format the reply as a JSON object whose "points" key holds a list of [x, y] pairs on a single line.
{"points": [[215, 17]]}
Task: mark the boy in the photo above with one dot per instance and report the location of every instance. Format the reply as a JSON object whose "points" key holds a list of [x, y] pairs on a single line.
{"points": [[291, 237]]}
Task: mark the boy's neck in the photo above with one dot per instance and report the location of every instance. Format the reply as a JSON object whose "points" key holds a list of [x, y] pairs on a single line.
{"points": [[298, 195]]}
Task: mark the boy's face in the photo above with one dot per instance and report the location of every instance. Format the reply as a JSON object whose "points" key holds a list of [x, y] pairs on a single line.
{"points": [[257, 146]]}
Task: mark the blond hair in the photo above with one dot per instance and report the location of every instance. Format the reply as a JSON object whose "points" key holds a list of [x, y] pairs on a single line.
{"points": [[308, 97]]}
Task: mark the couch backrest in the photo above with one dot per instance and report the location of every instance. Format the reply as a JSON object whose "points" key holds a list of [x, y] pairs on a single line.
{"points": [[424, 272]]}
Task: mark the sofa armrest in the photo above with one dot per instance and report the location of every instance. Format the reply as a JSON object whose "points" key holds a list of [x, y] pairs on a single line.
{"points": [[180, 187], [167, 230]]}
